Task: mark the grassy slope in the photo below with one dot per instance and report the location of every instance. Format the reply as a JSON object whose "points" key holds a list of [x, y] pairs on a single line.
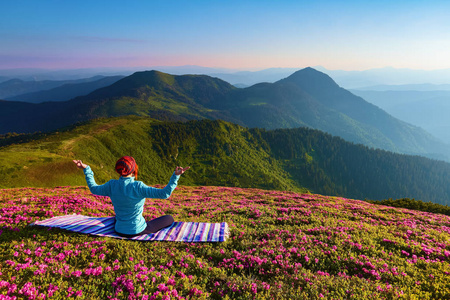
{"points": [[223, 154], [283, 245], [217, 152]]}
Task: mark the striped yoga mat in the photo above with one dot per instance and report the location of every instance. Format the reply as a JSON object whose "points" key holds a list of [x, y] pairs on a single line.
{"points": [[177, 232]]}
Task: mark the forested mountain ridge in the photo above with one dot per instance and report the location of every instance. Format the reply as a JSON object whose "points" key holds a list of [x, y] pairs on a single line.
{"points": [[201, 87], [224, 154], [333, 166], [306, 98]]}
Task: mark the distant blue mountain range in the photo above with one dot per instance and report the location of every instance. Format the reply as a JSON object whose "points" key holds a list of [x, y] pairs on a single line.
{"points": [[365, 79]]}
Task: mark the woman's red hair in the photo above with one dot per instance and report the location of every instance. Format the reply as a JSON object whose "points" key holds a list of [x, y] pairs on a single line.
{"points": [[126, 165], [135, 173]]}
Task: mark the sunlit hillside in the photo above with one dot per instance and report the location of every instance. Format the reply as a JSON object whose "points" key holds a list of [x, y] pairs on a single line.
{"points": [[222, 154]]}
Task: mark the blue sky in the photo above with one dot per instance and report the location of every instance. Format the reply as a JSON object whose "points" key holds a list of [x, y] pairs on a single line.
{"points": [[348, 35]]}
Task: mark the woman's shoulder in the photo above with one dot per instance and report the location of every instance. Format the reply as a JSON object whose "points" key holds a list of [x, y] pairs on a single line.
{"points": [[139, 183]]}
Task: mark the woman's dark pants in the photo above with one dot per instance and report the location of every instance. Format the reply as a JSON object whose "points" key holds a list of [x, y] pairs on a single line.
{"points": [[153, 226]]}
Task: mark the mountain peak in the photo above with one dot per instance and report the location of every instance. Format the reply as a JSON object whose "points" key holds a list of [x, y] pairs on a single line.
{"points": [[130, 85], [152, 77], [309, 78]]}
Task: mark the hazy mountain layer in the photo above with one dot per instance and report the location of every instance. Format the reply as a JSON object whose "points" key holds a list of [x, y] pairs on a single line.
{"points": [[424, 87], [427, 109], [348, 79], [65, 92], [14, 87]]}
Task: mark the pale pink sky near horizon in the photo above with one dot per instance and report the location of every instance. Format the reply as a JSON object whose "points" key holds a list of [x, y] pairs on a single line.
{"points": [[355, 35]]}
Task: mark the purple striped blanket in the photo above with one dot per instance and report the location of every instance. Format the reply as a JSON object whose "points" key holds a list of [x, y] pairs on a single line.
{"points": [[177, 232]]}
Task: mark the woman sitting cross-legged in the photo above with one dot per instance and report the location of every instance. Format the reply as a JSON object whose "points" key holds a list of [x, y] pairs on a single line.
{"points": [[128, 197]]}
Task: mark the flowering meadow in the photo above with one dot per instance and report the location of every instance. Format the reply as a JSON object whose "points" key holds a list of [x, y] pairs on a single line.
{"points": [[283, 245]]}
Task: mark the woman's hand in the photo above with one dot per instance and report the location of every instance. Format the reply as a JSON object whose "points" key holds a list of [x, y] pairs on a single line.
{"points": [[80, 164], [180, 170]]}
